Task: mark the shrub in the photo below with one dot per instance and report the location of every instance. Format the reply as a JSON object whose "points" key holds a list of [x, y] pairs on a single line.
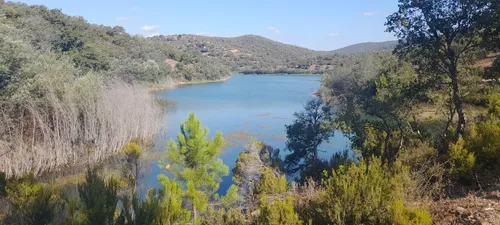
{"points": [[364, 194], [270, 183], [99, 199], [232, 217], [462, 161], [426, 170], [30, 203], [281, 212], [402, 215]]}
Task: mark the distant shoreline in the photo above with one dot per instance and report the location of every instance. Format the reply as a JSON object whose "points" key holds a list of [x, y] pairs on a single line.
{"points": [[160, 87]]}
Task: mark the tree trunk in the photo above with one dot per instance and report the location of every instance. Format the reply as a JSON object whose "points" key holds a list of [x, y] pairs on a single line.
{"points": [[195, 213], [457, 101]]}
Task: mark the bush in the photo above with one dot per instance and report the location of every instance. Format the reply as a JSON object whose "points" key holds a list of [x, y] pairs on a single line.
{"points": [[462, 161], [30, 203], [270, 183], [365, 194], [281, 212], [402, 215], [99, 199]]}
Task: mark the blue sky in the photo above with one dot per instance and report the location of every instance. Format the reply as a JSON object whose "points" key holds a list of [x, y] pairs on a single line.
{"points": [[314, 24]]}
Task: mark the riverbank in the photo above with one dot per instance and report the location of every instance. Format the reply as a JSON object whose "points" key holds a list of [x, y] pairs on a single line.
{"points": [[175, 84]]}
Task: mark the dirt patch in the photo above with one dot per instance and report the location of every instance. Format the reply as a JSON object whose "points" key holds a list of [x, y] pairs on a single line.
{"points": [[172, 63], [473, 209]]}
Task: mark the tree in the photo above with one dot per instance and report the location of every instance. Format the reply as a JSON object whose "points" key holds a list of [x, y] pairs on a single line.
{"points": [[194, 160], [310, 128], [99, 198], [133, 153], [438, 35], [374, 103]]}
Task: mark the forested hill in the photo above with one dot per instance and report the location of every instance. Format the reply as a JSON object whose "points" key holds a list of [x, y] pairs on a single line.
{"points": [[256, 54], [114, 52], [109, 50], [367, 47], [252, 53]]}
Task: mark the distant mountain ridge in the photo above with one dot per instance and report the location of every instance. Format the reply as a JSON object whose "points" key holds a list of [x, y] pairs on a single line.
{"points": [[367, 47], [257, 54]]}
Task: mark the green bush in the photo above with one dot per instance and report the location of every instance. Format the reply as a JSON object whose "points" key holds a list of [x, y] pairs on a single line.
{"points": [[365, 194], [462, 161], [483, 138], [280, 212], [30, 203], [402, 215], [99, 199], [232, 217], [270, 182]]}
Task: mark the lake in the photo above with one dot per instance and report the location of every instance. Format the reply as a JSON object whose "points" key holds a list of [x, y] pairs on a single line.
{"points": [[245, 106]]}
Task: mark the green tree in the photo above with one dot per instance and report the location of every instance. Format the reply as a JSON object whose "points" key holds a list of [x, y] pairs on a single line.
{"points": [[310, 128], [438, 35], [99, 198], [133, 152], [195, 160], [374, 102], [172, 211], [139, 212]]}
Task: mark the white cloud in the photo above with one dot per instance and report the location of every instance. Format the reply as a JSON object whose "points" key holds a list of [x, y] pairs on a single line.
{"points": [[274, 30], [369, 13], [203, 33], [123, 19], [150, 28], [151, 35], [333, 34]]}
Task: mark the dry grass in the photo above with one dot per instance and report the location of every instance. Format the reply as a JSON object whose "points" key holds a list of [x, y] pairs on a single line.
{"points": [[85, 124]]}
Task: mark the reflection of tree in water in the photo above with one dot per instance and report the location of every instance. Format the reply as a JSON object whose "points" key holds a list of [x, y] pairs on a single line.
{"points": [[169, 105]]}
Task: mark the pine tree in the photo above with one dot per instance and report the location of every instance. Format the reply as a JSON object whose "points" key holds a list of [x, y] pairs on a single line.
{"points": [[194, 160]]}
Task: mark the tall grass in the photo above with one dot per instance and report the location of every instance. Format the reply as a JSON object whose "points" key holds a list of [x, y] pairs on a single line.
{"points": [[85, 123]]}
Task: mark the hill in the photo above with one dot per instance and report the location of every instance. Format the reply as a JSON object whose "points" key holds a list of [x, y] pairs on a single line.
{"points": [[257, 54], [250, 53], [367, 47]]}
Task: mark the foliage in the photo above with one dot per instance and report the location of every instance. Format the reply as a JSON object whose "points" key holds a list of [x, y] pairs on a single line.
{"points": [[462, 161], [141, 212], [232, 217], [317, 171], [99, 198], [31, 203], [439, 37], [194, 160], [271, 157], [483, 137], [172, 210], [403, 215], [310, 128], [364, 194], [270, 183], [133, 152], [278, 213], [375, 99]]}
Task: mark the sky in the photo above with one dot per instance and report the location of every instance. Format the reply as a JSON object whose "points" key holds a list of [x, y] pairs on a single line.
{"points": [[314, 24]]}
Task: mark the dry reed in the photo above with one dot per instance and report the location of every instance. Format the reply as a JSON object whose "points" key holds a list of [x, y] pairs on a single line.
{"points": [[85, 124]]}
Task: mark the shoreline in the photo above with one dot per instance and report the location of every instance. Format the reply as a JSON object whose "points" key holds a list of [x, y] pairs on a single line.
{"points": [[176, 84]]}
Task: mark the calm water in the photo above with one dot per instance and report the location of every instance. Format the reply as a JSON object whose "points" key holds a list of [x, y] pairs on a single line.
{"points": [[244, 106]]}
